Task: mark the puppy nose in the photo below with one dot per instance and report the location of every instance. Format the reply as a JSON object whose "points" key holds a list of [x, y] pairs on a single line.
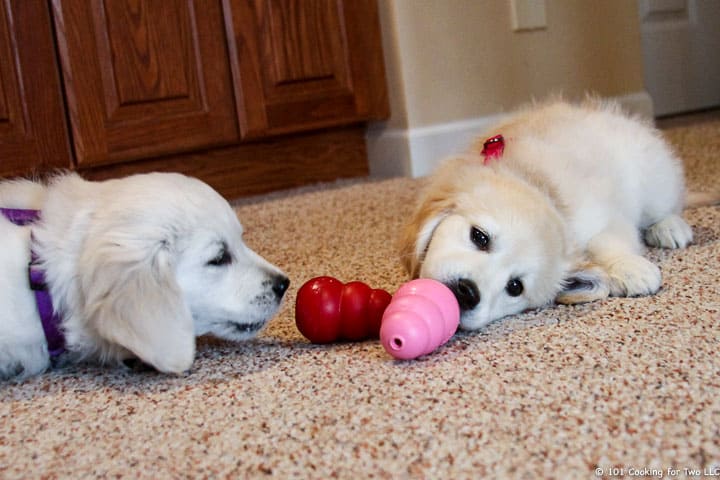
{"points": [[466, 292], [280, 284]]}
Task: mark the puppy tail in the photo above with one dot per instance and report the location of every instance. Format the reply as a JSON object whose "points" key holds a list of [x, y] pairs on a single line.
{"points": [[702, 199]]}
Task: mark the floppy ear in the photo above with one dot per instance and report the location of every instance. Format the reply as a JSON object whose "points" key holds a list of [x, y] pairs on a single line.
{"points": [[133, 300], [586, 282], [434, 207]]}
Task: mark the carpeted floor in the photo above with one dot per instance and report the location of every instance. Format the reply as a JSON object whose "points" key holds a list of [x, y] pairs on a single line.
{"points": [[629, 384]]}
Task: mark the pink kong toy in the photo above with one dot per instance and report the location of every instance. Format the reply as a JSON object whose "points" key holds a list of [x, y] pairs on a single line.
{"points": [[422, 315]]}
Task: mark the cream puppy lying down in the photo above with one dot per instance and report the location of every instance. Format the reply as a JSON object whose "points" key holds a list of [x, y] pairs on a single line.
{"points": [[560, 214], [135, 268]]}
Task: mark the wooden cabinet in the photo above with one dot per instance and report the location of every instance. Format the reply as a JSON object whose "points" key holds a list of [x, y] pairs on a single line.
{"points": [[147, 77], [221, 89], [33, 135], [303, 64]]}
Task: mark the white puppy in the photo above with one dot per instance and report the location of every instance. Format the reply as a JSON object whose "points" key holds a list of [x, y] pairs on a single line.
{"points": [[135, 267], [557, 215]]}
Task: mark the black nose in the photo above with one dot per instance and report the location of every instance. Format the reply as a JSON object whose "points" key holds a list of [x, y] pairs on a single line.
{"points": [[280, 284], [466, 292]]}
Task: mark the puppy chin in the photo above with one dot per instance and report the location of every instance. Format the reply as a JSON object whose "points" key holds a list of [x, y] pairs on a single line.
{"points": [[237, 330], [469, 324], [473, 320], [237, 325], [247, 326]]}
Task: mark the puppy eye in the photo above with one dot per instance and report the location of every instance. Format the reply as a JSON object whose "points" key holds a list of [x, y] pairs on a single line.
{"points": [[514, 287], [222, 258], [480, 238]]}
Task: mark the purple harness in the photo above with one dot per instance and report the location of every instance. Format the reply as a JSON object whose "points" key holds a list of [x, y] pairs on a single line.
{"points": [[36, 280]]}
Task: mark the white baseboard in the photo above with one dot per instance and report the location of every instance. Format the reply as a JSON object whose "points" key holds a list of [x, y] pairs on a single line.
{"points": [[416, 152], [638, 103]]}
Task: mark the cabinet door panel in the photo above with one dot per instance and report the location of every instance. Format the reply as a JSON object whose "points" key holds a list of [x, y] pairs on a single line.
{"points": [[302, 64], [33, 137], [145, 77], [307, 42]]}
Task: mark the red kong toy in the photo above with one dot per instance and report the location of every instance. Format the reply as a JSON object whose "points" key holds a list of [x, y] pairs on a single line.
{"points": [[326, 310]]}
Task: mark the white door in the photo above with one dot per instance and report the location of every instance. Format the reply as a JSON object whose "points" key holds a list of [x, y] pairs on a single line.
{"points": [[681, 53]]}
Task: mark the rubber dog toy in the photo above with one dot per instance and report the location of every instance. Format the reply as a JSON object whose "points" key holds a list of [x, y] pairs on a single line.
{"points": [[422, 315], [326, 310]]}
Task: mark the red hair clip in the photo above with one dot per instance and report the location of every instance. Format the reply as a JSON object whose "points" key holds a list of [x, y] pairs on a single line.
{"points": [[493, 148]]}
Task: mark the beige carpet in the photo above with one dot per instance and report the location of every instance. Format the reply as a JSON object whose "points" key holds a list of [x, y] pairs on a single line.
{"points": [[557, 393]]}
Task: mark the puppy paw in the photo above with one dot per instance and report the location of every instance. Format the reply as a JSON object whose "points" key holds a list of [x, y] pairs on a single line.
{"points": [[587, 282], [20, 361], [670, 232], [634, 275]]}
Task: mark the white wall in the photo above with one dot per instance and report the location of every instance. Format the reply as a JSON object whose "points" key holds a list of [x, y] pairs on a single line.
{"points": [[454, 66]]}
